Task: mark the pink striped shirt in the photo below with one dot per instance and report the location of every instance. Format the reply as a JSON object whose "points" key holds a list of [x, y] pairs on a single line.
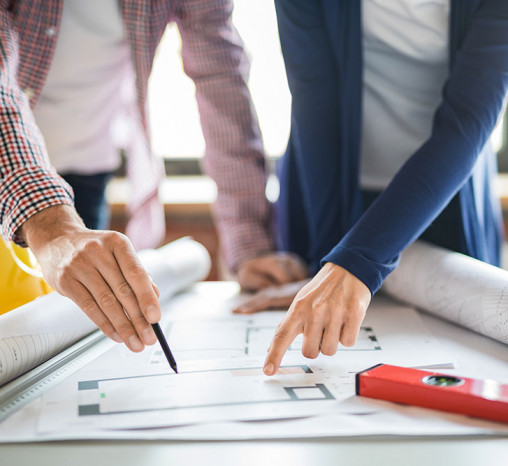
{"points": [[213, 57]]}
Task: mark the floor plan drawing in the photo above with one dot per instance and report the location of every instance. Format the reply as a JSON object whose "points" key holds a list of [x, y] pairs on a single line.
{"points": [[171, 391], [245, 337]]}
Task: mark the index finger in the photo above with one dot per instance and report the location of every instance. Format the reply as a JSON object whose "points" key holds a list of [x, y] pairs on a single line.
{"points": [[284, 336], [139, 280]]}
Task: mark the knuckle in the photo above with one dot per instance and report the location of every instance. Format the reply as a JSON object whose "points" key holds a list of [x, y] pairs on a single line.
{"points": [[356, 313], [361, 311], [321, 303], [105, 326], [315, 318], [107, 300], [355, 304], [299, 302], [116, 238], [147, 298], [139, 321], [361, 299], [135, 270], [125, 290], [66, 270], [64, 287], [281, 333], [89, 306], [298, 308], [125, 328], [91, 247]]}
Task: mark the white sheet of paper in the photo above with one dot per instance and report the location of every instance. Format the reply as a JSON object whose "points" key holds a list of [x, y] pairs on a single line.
{"points": [[387, 419], [205, 391], [372, 418], [122, 390]]}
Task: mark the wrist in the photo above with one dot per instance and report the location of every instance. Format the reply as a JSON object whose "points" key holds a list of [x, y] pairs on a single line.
{"points": [[50, 224]]}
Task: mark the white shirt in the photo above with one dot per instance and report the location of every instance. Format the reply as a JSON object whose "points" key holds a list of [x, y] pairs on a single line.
{"points": [[405, 46], [82, 97]]}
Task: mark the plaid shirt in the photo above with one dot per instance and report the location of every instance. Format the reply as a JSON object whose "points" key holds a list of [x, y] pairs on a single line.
{"points": [[212, 56]]}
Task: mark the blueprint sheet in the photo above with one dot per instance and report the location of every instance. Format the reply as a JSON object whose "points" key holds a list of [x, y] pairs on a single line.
{"points": [[220, 356], [221, 392]]}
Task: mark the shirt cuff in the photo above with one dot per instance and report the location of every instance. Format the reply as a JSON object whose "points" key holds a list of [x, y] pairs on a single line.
{"points": [[371, 273], [26, 192], [239, 243]]}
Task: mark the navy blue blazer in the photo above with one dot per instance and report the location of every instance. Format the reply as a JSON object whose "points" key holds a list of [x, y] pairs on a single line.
{"points": [[443, 193]]}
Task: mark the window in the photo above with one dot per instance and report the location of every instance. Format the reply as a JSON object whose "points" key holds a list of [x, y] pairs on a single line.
{"points": [[176, 131]]}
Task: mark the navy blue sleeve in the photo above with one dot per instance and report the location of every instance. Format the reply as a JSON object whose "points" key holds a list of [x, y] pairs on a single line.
{"points": [[473, 98]]}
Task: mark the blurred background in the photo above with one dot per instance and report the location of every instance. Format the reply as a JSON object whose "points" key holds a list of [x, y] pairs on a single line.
{"points": [[177, 137]]}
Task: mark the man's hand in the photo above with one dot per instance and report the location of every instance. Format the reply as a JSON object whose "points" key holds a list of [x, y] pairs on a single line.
{"points": [[274, 297], [99, 271], [328, 310], [271, 269]]}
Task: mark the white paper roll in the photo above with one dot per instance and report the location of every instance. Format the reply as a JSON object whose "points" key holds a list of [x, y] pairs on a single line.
{"points": [[453, 286], [177, 265]]}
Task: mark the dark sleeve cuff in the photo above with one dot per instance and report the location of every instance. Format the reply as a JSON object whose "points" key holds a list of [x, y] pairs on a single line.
{"points": [[371, 273]]}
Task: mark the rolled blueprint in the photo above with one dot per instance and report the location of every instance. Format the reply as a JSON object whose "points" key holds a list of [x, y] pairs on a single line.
{"points": [[37, 331], [176, 265], [453, 286]]}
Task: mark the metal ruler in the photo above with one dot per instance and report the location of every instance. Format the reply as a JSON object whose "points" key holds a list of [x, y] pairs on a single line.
{"points": [[39, 380]]}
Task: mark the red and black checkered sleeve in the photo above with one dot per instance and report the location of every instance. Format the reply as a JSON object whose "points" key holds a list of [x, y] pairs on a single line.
{"points": [[213, 56], [28, 184]]}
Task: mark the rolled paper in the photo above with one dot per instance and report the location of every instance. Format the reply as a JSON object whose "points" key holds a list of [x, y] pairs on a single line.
{"points": [[453, 286]]}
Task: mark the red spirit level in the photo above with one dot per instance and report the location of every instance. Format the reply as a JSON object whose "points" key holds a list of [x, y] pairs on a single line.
{"points": [[478, 398]]}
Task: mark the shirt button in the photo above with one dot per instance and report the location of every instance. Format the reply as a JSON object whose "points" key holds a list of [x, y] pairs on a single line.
{"points": [[29, 92], [50, 32]]}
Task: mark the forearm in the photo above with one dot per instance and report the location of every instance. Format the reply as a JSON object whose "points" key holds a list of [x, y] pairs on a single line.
{"points": [[98, 270], [473, 99], [214, 58], [235, 159], [27, 182]]}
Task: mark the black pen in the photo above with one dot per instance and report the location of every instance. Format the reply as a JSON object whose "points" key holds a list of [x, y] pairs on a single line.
{"points": [[165, 347]]}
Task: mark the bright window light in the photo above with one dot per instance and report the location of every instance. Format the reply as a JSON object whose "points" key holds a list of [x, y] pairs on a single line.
{"points": [[174, 117]]}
